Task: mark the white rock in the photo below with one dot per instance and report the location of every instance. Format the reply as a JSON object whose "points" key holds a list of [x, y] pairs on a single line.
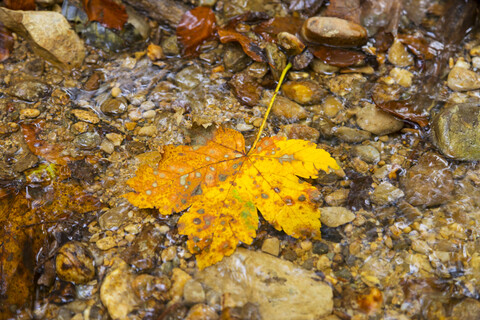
{"points": [[461, 79], [49, 34], [336, 216], [281, 289]]}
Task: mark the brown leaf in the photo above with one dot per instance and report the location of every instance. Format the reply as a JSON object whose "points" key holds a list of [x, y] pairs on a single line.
{"points": [[344, 9], [20, 4], [246, 89], [405, 110], [195, 27], [51, 152], [250, 46], [6, 43], [417, 44], [269, 29], [339, 57], [108, 12]]}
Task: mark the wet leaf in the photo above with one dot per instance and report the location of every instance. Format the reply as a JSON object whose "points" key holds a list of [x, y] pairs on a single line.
{"points": [[344, 9], [50, 152], [416, 44], [406, 110], [249, 46], [23, 232], [271, 28], [108, 12], [6, 43], [223, 185], [195, 27], [339, 57], [246, 89], [20, 4]]}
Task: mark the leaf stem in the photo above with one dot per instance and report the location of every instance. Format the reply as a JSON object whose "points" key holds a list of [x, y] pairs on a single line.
{"points": [[272, 100]]}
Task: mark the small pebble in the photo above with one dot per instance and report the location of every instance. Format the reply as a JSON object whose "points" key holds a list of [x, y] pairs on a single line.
{"points": [[116, 92], [106, 243], [148, 131], [271, 246]]}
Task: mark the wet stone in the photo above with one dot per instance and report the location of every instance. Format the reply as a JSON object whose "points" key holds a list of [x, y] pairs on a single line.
{"points": [[334, 31], [142, 252], [15, 156], [290, 42], [468, 309], [113, 218], [246, 89], [116, 291], [202, 312], [461, 79], [278, 290], [29, 90], [429, 182], [193, 292], [87, 140], [189, 77], [300, 131], [74, 263], [399, 56], [271, 246], [276, 59], [376, 121], [147, 286], [368, 154], [170, 46], [386, 193], [304, 91], [457, 131], [114, 106], [336, 216], [320, 247], [302, 60], [85, 115], [351, 135], [283, 107], [234, 59]]}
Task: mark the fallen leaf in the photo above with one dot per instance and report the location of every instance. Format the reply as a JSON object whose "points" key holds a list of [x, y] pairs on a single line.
{"points": [[406, 110], [271, 28], [223, 185], [338, 57], [195, 27], [50, 152], [108, 12], [344, 9], [246, 88], [20, 4], [249, 46], [6, 43], [418, 45], [23, 232]]}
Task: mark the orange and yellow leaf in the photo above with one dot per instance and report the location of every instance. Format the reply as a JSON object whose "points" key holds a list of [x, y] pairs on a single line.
{"points": [[223, 186]]}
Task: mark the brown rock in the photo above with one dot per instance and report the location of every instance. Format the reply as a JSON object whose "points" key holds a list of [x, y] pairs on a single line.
{"points": [[461, 79], [304, 91], [429, 182], [284, 107], [334, 31], [75, 263], [48, 33]]}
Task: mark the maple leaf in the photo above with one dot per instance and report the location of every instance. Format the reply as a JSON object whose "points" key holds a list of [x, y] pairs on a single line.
{"points": [[224, 185]]}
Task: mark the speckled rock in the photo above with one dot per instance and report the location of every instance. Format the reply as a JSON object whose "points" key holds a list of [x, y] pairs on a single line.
{"points": [[399, 56], [386, 193], [189, 77], [351, 135], [179, 279], [335, 216], [29, 90], [74, 262], [271, 246], [334, 31], [376, 121], [367, 153], [142, 252], [457, 131], [429, 182], [278, 290], [87, 140], [283, 107], [114, 106], [193, 292], [468, 309], [116, 291]]}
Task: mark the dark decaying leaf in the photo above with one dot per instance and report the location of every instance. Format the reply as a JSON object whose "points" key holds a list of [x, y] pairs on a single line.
{"points": [[108, 12], [344, 9], [23, 232], [195, 27], [6, 43], [246, 89], [20, 4], [249, 46], [339, 57], [406, 110]]}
